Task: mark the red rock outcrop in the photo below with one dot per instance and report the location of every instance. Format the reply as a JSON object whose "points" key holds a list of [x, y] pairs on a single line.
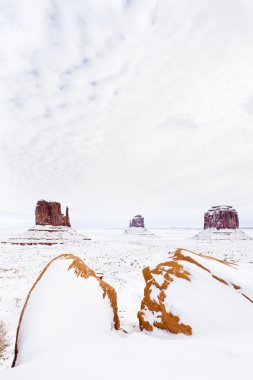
{"points": [[221, 217], [178, 291], [66, 272], [137, 221], [49, 213]]}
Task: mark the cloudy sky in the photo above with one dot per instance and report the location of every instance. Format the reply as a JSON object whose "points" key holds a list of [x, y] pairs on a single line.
{"points": [[119, 107]]}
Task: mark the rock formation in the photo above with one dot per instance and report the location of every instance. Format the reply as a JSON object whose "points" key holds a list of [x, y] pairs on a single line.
{"points": [[137, 221], [80, 307], [48, 235], [52, 227], [194, 294], [221, 217], [49, 213]]}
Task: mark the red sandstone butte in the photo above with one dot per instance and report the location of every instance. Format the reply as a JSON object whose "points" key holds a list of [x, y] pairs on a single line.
{"points": [[221, 217], [137, 221], [49, 213]]}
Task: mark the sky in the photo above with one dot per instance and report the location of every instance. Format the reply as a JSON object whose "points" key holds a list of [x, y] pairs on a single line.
{"points": [[119, 107]]}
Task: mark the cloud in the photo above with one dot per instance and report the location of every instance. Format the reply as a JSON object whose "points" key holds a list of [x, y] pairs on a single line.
{"points": [[116, 107]]}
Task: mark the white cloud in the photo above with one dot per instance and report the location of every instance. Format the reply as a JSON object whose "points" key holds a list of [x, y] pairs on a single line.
{"points": [[119, 107]]}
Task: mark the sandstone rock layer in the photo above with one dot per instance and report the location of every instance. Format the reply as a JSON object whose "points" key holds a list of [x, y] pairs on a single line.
{"points": [[221, 217], [137, 221], [193, 293], [49, 213]]}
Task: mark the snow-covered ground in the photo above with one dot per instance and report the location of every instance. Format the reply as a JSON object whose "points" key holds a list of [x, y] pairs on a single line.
{"points": [[120, 258]]}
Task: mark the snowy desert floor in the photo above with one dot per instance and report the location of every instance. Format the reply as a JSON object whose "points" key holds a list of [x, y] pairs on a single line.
{"points": [[120, 258]]}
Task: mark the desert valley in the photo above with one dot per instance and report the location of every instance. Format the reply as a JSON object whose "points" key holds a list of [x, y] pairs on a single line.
{"points": [[218, 315], [126, 210]]}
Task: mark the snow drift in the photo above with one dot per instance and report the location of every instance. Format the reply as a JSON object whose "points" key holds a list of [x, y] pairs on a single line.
{"points": [[196, 294], [67, 304]]}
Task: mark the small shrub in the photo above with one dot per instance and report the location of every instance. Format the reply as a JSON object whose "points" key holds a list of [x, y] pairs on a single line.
{"points": [[4, 342]]}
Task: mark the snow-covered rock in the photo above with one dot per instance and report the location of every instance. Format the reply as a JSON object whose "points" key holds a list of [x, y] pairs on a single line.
{"points": [[138, 231], [222, 234], [137, 226], [51, 227], [196, 294], [66, 305], [47, 235]]}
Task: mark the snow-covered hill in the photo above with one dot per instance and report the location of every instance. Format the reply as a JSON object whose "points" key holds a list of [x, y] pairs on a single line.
{"points": [[222, 234], [47, 235], [138, 231]]}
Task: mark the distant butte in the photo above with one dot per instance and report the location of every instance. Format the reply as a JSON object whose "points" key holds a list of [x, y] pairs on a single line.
{"points": [[49, 213], [137, 221], [52, 227], [221, 217]]}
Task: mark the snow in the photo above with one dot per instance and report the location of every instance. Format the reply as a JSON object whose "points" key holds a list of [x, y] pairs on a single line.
{"points": [[222, 234], [62, 309], [47, 235], [208, 301], [137, 231], [120, 258], [138, 356], [208, 306]]}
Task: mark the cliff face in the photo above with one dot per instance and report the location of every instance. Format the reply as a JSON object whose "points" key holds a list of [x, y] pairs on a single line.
{"points": [[221, 217], [137, 221], [50, 213]]}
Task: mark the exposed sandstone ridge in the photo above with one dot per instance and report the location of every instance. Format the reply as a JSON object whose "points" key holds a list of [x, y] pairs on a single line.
{"points": [[137, 221], [181, 308], [74, 309], [221, 217], [49, 213]]}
